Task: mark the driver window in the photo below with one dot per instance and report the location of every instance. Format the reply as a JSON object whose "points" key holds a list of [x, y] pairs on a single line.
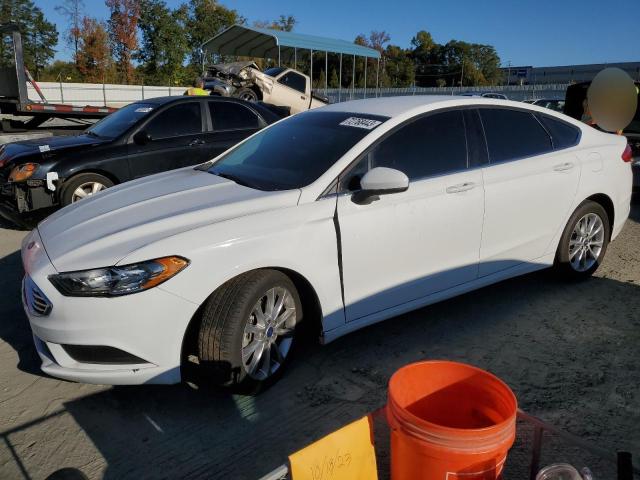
{"points": [[293, 80]]}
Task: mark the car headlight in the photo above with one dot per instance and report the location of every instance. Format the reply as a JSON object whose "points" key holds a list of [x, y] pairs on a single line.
{"points": [[23, 172], [116, 281]]}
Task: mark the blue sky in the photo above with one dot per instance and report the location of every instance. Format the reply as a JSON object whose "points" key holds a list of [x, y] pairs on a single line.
{"points": [[540, 33]]}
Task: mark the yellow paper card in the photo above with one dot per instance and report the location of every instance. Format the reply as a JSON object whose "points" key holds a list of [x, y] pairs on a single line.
{"points": [[346, 454]]}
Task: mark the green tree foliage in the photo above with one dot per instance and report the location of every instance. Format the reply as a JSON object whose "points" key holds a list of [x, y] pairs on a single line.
{"points": [[285, 23], [164, 45], [39, 36], [205, 19], [123, 39], [333, 79]]}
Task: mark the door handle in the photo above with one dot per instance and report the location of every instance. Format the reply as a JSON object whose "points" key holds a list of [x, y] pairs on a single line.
{"points": [[563, 167], [302, 97], [461, 187], [196, 142]]}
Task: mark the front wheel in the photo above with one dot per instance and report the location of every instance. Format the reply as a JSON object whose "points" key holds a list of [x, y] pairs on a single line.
{"points": [[82, 186], [584, 241], [247, 94], [248, 330]]}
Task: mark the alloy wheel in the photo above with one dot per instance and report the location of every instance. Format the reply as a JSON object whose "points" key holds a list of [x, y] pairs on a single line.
{"points": [[268, 334], [586, 242], [85, 190]]}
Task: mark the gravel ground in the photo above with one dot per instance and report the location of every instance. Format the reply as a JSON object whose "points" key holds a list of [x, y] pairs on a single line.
{"points": [[569, 351]]}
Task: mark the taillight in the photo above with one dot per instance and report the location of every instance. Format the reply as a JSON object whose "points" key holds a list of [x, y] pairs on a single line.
{"points": [[627, 155]]}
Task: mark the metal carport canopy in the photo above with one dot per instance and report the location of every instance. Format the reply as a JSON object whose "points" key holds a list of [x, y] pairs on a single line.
{"points": [[267, 43]]}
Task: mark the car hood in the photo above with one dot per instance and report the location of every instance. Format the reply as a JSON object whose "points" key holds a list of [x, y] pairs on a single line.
{"points": [[101, 230], [45, 147]]}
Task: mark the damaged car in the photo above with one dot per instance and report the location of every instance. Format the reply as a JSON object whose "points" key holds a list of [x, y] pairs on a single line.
{"points": [[279, 86], [142, 138]]}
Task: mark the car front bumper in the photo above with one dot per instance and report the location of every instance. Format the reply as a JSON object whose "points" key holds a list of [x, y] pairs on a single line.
{"points": [[146, 328], [19, 201]]}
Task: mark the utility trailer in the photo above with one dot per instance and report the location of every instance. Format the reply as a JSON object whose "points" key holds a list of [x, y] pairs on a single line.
{"points": [[14, 99]]}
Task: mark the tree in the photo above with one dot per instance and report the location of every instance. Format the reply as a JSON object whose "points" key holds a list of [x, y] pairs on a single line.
{"points": [[122, 25], [39, 36], [333, 79], [285, 23], [94, 56], [206, 18], [164, 41], [72, 11]]}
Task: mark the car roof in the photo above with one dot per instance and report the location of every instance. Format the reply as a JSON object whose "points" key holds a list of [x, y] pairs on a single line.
{"points": [[395, 106], [176, 98]]}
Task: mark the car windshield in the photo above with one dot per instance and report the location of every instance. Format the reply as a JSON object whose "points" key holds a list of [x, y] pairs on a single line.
{"points": [[295, 152], [119, 121]]}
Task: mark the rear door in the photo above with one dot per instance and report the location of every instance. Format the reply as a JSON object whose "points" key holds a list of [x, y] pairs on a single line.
{"points": [[231, 122], [529, 189], [177, 139]]}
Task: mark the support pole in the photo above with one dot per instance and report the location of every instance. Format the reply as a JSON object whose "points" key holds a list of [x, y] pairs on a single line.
{"points": [[353, 89], [340, 81], [295, 58], [377, 78], [366, 61], [326, 71], [311, 71], [278, 55]]}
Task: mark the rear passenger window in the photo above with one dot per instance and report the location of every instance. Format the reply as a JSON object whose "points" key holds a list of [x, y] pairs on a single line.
{"points": [[563, 134], [513, 134], [432, 145], [179, 120], [232, 116]]}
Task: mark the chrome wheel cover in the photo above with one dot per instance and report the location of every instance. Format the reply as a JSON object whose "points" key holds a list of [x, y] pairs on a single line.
{"points": [[268, 334], [86, 190], [586, 242]]}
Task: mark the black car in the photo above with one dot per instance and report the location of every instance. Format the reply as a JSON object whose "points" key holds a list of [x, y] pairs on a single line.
{"points": [[142, 138]]}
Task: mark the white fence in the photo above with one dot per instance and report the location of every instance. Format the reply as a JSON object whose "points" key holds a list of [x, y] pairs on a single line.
{"points": [[81, 94]]}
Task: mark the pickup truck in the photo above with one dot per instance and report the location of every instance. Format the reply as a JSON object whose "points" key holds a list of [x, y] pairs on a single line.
{"points": [[279, 86]]}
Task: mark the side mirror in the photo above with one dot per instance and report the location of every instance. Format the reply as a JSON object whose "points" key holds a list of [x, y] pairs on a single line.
{"points": [[142, 137], [381, 181]]}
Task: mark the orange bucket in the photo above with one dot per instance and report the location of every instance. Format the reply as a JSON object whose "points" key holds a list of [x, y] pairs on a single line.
{"points": [[449, 421]]}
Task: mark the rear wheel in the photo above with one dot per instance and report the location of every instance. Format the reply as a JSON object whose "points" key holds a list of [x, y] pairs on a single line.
{"points": [[248, 330], [584, 241], [82, 186]]}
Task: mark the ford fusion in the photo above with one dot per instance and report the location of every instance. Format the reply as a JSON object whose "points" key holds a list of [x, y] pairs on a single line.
{"points": [[325, 222]]}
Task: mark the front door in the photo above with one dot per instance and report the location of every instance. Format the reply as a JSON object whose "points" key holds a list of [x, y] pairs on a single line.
{"points": [[291, 90], [177, 140], [408, 245]]}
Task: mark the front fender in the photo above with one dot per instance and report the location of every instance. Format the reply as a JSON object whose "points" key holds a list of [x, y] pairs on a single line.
{"points": [[301, 238]]}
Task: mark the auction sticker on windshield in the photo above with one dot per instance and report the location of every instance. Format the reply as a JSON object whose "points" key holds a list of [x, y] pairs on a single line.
{"points": [[358, 122], [144, 109]]}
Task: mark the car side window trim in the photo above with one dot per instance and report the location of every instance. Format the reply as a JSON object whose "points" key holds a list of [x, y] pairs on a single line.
{"points": [[539, 116], [514, 159], [327, 191]]}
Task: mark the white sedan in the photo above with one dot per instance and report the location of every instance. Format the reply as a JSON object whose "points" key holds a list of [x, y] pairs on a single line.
{"points": [[330, 220]]}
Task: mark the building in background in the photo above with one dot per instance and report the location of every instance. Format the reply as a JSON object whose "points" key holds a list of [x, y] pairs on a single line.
{"points": [[529, 75]]}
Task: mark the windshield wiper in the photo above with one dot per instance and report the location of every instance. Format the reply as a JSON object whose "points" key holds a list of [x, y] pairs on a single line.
{"points": [[233, 178]]}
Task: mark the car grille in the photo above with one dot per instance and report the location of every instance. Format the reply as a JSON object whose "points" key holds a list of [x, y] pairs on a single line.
{"points": [[37, 302]]}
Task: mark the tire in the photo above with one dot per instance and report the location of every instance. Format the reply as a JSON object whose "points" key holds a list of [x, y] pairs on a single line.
{"points": [[232, 333], [247, 94], [579, 255], [86, 182]]}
